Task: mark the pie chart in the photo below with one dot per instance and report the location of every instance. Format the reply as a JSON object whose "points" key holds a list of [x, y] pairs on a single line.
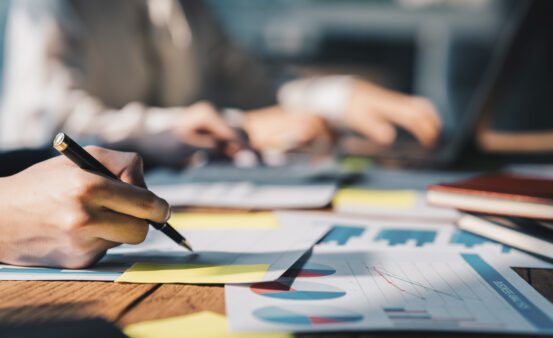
{"points": [[287, 288], [310, 269], [306, 316]]}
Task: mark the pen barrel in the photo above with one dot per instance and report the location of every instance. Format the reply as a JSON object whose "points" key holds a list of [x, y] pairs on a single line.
{"points": [[72, 150], [156, 225], [169, 231]]}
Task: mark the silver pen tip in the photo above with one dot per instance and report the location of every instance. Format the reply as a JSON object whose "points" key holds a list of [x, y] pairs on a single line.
{"points": [[187, 245]]}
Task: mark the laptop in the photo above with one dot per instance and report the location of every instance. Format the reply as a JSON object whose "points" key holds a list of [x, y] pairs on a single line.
{"points": [[408, 152]]}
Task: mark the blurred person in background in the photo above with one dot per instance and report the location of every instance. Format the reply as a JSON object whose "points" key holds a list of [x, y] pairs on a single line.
{"points": [[133, 72]]}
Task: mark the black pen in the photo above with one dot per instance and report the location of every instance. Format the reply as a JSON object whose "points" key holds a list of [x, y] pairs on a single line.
{"points": [[73, 151]]}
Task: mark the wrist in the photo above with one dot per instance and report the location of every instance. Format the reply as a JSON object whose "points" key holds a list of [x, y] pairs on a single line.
{"points": [[159, 120], [236, 118], [327, 96]]}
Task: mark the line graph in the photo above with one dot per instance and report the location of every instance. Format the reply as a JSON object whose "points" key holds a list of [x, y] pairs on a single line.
{"points": [[390, 277], [418, 294], [403, 290]]}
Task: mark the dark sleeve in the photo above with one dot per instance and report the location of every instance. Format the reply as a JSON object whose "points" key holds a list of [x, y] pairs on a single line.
{"points": [[14, 161]]}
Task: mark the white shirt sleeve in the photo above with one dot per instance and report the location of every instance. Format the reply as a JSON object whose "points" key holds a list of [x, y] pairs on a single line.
{"points": [[44, 93], [327, 96]]}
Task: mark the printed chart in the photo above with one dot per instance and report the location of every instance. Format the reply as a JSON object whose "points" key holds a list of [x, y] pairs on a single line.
{"points": [[307, 316], [470, 240], [310, 269], [363, 233], [404, 235], [390, 290], [342, 234], [286, 288]]}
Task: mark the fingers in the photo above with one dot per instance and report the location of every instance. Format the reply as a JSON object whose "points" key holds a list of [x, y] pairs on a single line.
{"points": [[426, 107], [125, 199], [416, 115], [375, 110], [78, 252], [273, 128], [117, 228], [204, 117], [378, 131], [128, 167], [201, 141], [215, 125]]}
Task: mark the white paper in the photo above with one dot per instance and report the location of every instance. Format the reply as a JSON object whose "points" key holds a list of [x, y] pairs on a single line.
{"points": [[246, 195], [342, 290], [382, 234], [280, 247]]}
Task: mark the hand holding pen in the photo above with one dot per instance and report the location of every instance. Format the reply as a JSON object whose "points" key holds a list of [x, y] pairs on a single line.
{"points": [[56, 214], [143, 199]]}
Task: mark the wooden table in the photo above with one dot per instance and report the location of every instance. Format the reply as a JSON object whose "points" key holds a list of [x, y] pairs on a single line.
{"points": [[24, 302], [27, 302]]}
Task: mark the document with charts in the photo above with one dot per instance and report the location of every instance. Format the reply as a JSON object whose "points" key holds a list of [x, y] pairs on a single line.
{"points": [[343, 290], [223, 254], [383, 234]]}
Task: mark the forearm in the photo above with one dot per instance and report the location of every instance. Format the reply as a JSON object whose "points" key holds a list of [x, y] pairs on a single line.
{"points": [[109, 125]]}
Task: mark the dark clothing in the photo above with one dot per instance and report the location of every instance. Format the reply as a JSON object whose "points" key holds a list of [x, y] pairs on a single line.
{"points": [[14, 161]]}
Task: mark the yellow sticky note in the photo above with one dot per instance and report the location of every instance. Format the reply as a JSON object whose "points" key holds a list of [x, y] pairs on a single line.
{"points": [[204, 324], [194, 273], [355, 164], [257, 220], [400, 199]]}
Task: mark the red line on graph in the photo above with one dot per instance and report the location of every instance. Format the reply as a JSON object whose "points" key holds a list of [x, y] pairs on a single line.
{"points": [[389, 281], [383, 274]]}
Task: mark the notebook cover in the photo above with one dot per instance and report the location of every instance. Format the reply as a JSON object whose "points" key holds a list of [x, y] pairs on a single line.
{"points": [[503, 186]]}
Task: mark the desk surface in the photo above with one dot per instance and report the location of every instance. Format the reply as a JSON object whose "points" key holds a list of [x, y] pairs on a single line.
{"points": [[24, 302]]}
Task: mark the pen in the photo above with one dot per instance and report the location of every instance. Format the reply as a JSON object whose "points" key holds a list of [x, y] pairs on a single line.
{"points": [[73, 151]]}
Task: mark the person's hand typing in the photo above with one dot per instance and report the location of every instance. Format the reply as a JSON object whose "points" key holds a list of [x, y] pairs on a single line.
{"points": [[273, 128], [374, 111], [200, 125], [56, 214]]}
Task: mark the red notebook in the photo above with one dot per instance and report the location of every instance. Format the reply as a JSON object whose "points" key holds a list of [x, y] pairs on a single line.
{"points": [[503, 194]]}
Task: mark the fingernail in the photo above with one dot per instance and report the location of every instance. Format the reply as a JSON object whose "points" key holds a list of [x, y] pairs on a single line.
{"points": [[168, 216]]}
